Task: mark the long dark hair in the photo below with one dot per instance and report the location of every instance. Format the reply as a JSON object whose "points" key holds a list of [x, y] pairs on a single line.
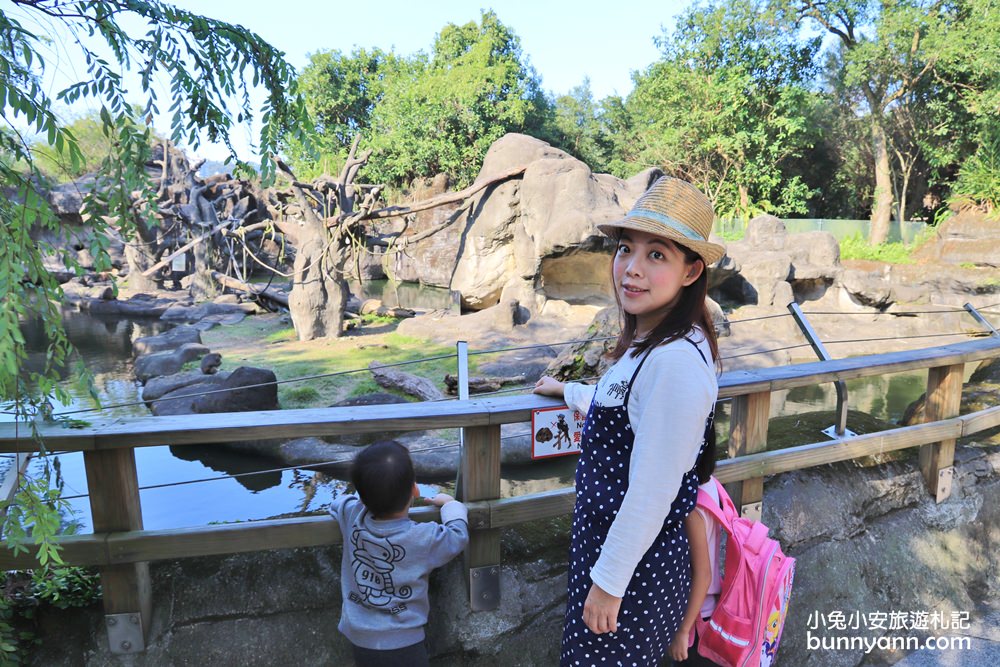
{"points": [[690, 310]]}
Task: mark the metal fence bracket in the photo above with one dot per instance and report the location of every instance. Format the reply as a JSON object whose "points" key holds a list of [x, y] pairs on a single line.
{"points": [[945, 477], [125, 634], [484, 587]]}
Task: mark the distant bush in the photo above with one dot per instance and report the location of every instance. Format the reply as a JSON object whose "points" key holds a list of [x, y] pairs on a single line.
{"points": [[978, 182]]}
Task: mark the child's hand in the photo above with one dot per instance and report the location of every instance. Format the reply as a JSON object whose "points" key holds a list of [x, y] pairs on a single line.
{"points": [[440, 500], [679, 647], [547, 386]]}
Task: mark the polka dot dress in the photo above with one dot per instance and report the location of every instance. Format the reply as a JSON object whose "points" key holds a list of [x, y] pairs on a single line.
{"points": [[657, 595]]}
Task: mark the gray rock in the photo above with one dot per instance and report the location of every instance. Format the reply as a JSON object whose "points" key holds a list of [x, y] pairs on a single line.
{"points": [[168, 340], [160, 386], [249, 389], [521, 226], [182, 313], [767, 233], [167, 363], [180, 400]]}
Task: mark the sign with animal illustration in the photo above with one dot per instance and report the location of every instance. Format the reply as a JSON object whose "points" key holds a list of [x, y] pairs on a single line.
{"points": [[556, 432]]}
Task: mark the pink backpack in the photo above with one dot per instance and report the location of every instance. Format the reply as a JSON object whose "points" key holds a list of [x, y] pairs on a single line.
{"points": [[746, 625]]}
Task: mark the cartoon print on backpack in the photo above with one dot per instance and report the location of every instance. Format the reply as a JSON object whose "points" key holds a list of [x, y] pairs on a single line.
{"points": [[373, 566], [776, 621]]}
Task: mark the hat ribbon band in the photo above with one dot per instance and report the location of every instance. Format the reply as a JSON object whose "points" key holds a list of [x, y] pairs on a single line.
{"points": [[668, 221]]}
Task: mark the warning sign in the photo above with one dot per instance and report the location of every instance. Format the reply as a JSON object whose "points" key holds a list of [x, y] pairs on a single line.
{"points": [[556, 432]]}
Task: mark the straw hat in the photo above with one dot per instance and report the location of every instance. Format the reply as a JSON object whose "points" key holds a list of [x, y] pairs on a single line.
{"points": [[674, 209]]}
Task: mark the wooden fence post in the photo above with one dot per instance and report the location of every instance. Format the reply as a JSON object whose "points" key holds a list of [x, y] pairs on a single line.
{"points": [[114, 505], [480, 475], [748, 434], [944, 400]]}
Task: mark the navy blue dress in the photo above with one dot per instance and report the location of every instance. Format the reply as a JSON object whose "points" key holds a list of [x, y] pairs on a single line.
{"points": [[657, 595]]}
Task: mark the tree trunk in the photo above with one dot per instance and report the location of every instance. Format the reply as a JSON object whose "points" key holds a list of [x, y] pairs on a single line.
{"points": [[140, 253], [316, 302], [882, 206], [203, 287]]}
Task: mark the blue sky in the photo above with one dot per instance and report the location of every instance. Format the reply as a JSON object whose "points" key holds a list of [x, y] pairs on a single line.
{"points": [[564, 40]]}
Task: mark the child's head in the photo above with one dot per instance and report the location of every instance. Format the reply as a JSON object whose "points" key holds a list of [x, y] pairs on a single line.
{"points": [[383, 476], [660, 265]]}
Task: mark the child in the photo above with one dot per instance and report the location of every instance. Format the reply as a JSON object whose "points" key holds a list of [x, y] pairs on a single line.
{"points": [[706, 581], [388, 557], [629, 571]]}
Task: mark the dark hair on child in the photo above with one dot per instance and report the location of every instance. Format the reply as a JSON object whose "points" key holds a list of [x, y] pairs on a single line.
{"points": [[706, 460], [382, 474], [690, 310]]}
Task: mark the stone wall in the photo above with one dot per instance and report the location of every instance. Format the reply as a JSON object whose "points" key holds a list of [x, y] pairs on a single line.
{"points": [[866, 540]]}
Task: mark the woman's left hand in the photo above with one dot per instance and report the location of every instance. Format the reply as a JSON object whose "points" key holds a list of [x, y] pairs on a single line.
{"points": [[600, 611]]}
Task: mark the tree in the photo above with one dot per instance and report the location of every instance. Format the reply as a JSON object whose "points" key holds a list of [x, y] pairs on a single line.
{"points": [[341, 92], [726, 107], [578, 127], [885, 53], [425, 114], [211, 66]]}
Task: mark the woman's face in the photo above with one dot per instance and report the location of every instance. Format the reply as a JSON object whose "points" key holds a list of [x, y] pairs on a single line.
{"points": [[649, 273]]}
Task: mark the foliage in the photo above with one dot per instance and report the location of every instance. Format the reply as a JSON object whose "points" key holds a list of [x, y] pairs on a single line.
{"points": [[978, 182], [22, 593], [915, 74], [211, 65], [423, 114], [857, 247], [94, 143], [726, 107], [579, 128], [340, 91]]}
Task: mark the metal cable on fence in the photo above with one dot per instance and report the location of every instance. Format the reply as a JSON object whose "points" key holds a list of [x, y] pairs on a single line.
{"points": [[538, 345], [260, 384], [776, 349], [886, 312], [308, 466], [762, 317], [975, 334]]}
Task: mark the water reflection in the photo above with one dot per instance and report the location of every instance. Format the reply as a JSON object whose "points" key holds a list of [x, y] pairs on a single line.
{"points": [[255, 473]]}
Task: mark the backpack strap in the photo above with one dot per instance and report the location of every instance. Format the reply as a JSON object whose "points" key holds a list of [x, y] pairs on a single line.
{"points": [[724, 514]]}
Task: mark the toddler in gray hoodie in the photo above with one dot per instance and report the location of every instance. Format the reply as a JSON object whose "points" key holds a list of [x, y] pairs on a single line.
{"points": [[388, 558]]}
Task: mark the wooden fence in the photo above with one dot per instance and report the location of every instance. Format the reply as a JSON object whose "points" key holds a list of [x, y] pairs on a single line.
{"points": [[121, 549]]}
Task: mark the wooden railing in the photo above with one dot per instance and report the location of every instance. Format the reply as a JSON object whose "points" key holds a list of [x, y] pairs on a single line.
{"points": [[122, 549]]}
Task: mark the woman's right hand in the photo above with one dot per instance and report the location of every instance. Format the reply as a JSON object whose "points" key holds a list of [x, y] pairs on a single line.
{"points": [[547, 386]]}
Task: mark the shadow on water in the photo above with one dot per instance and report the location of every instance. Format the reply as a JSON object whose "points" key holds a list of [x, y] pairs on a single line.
{"points": [[246, 469]]}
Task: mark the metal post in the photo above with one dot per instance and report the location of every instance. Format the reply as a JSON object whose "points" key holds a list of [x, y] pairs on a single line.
{"points": [[462, 353], [982, 320], [838, 430]]}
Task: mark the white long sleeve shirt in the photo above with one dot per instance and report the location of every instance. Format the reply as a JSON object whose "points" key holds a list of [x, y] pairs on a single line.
{"points": [[670, 400]]}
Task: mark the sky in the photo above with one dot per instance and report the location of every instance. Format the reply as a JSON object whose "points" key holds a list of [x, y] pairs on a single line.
{"points": [[564, 40]]}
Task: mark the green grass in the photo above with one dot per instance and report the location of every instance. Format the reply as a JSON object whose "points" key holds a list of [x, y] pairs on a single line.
{"points": [[266, 342], [856, 247]]}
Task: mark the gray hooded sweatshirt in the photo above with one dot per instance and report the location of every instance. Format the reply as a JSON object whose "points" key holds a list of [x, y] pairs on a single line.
{"points": [[385, 569]]}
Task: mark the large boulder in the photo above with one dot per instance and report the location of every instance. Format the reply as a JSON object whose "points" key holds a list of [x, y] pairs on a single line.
{"points": [[169, 362], [769, 266], [168, 340], [250, 389], [184, 390], [967, 238], [157, 387], [540, 230]]}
